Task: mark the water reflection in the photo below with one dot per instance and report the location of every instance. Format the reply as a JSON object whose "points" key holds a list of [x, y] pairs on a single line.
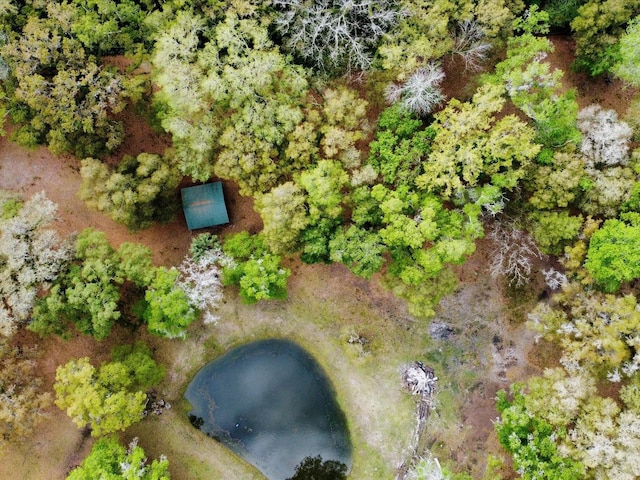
{"points": [[271, 403], [317, 469]]}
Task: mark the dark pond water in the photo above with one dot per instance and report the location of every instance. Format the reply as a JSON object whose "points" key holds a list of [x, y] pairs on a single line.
{"points": [[272, 404]]}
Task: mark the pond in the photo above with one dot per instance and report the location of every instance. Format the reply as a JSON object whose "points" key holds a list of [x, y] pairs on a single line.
{"points": [[271, 403]]}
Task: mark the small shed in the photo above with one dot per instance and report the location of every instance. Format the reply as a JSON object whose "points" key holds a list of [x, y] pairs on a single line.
{"points": [[204, 206]]}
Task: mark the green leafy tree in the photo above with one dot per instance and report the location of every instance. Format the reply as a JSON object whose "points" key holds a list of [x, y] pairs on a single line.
{"points": [[316, 468], [23, 401], [107, 27], [597, 28], [362, 251], [168, 312], [400, 146], [255, 270], [531, 84], [532, 441], [284, 215], [140, 191], [61, 95], [421, 292], [557, 184], [561, 12], [341, 122], [110, 460], [88, 293], [428, 30], [628, 68], [112, 397], [554, 230], [614, 256], [323, 185], [231, 96], [471, 146]]}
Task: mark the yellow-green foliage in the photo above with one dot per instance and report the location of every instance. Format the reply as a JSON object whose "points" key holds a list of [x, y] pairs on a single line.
{"points": [[558, 184], [109, 398], [425, 32], [597, 332], [597, 29], [138, 192], [470, 145]]}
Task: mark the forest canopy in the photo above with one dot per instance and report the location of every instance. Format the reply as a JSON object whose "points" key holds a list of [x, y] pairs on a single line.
{"points": [[390, 136]]}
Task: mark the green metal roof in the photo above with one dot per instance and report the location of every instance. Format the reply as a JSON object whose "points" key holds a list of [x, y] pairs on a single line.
{"points": [[204, 206]]}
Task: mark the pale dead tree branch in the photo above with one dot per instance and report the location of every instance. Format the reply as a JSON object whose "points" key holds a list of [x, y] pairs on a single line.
{"points": [[605, 139], [426, 468], [335, 34], [200, 279], [421, 92], [554, 279], [514, 253], [31, 257], [421, 381], [469, 41]]}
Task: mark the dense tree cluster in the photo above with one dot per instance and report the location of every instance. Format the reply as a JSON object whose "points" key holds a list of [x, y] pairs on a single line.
{"points": [[111, 397], [286, 99], [253, 267], [560, 425], [60, 93], [139, 192], [88, 294]]}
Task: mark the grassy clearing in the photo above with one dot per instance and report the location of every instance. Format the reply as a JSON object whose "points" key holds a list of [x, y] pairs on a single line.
{"points": [[325, 305]]}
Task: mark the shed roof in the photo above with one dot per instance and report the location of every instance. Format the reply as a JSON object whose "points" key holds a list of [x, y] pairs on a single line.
{"points": [[204, 206]]}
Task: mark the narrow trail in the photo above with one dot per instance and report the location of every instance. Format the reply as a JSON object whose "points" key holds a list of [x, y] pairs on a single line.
{"points": [[74, 459]]}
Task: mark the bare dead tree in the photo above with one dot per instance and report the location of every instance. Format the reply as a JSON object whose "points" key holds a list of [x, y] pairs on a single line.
{"points": [[469, 41], [334, 34], [421, 92], [605, 139], [554, 279], [514, 253], [421, 381]]}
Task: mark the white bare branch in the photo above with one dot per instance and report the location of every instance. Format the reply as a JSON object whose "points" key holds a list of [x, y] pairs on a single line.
{"points": [[421, 92], [334, 34], [514, 254], [554, 279], [200, 279], [605, 140], [469, 41], [31, 257]]}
